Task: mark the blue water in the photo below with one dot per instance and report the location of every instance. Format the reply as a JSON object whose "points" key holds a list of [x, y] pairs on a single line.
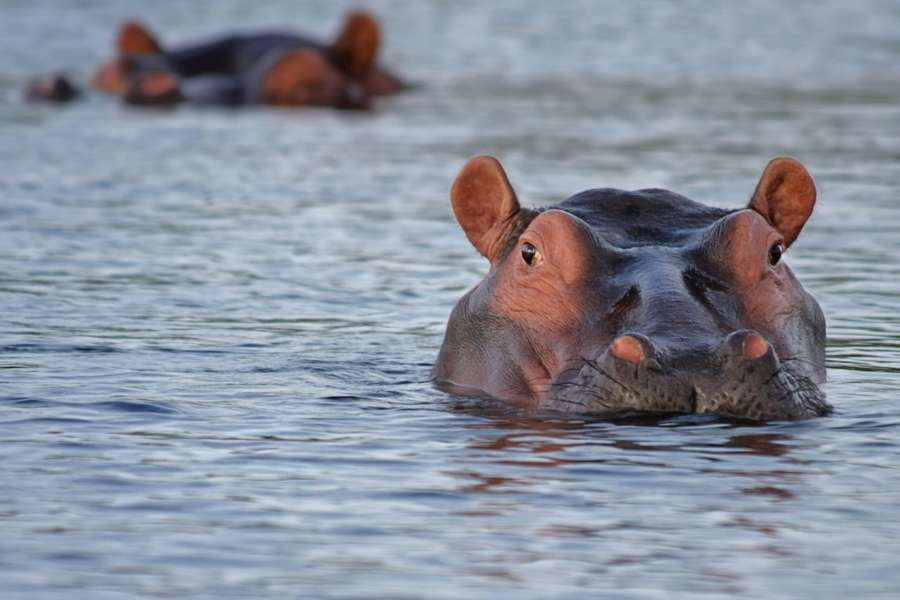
{"points": [[216, 326]]}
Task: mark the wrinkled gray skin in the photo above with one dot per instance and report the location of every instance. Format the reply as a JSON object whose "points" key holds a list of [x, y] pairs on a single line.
{"points": [[638, 301]]}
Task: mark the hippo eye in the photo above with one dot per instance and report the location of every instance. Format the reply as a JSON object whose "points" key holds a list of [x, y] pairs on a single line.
{"points": [[775, 253], [529, 253]]}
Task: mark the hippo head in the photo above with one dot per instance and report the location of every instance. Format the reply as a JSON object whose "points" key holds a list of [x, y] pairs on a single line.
{"points": [[614, 301]]}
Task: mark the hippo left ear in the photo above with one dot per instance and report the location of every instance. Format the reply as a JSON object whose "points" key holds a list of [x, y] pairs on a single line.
{"points": [[485, 205], [134, 38], [785, 196]]}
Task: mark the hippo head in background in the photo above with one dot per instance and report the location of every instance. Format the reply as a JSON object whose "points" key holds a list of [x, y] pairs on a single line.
{"points": [[620, 302], [268, 67]]}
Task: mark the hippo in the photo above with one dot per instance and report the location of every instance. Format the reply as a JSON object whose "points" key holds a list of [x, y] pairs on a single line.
{"points": [[271, 67], [621, 302]]}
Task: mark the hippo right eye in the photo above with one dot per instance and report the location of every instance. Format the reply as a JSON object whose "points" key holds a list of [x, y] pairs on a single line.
{"points": [[529, 254]]}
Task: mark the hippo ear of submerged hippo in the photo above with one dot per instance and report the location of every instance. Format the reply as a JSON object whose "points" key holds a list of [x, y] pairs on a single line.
{"points": [[486, 205], [785, 197], [356, 47], [134, 38]]}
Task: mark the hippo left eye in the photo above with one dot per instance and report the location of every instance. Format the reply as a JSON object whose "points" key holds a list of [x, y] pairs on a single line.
{"points": [[530, 254], [775, 253]]}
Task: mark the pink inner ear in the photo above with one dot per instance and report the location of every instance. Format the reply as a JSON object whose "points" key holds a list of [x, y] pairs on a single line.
{"points": [[485, 204], [785, 196]]}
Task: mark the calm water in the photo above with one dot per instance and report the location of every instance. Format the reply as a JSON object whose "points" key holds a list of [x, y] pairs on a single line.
{"points": [[216, 327]]}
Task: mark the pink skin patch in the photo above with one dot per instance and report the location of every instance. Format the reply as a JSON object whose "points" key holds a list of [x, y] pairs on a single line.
{"points": [[628, 348], [755, 346]]}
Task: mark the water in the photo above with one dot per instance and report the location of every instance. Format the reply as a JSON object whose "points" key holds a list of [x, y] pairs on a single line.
{"points": [[217, 326]]}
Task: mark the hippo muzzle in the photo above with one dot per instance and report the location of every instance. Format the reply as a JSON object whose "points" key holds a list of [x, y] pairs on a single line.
{"points": [[743, 378], [612, 302]]}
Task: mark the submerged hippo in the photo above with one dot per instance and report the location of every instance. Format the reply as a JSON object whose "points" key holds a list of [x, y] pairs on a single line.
{"points": [[270, 67], [614, 301], [273, 67]]}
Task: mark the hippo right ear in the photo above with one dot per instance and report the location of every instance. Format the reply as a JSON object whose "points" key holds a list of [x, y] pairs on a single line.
{"points": [[485, 204], [785, 196], [355, 49]]}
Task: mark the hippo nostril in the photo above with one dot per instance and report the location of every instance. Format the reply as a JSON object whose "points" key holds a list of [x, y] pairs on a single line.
{"points": [[628, 348], [755, 346]]}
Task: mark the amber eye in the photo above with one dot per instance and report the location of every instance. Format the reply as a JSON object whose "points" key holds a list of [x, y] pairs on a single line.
{"points": [[529, 253], [775, 253]]}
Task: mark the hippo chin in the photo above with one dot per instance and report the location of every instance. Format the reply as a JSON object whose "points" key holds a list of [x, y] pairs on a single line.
{"points": [[614, 301]]}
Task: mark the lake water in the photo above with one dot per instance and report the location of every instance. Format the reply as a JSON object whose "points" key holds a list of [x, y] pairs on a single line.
{"points": [[218, 325]]}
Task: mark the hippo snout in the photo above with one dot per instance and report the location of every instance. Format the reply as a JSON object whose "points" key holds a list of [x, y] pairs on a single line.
{"points": [[742, 377]]}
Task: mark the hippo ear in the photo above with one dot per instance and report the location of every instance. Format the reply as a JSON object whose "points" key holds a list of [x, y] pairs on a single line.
{"points": [[355, 49], [134, 38], [785, 196], [485, 204]]}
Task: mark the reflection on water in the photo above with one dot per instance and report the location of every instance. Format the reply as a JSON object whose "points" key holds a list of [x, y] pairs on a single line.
{"points": [[545, 440], [654, 499], [218, 325]]}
